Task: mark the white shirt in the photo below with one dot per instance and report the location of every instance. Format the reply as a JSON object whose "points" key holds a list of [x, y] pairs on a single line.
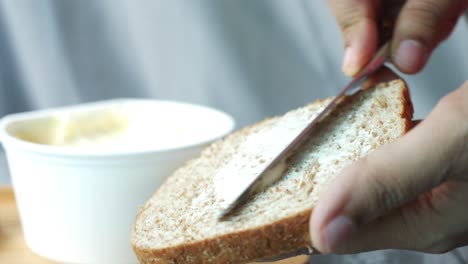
{"points": [[250, 58]]}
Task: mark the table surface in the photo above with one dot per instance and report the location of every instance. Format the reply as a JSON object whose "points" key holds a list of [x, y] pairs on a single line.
{"points": [[13, 249]]}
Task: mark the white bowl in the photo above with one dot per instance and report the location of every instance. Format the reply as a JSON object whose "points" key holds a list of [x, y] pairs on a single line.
{"points": [[77, 203]]}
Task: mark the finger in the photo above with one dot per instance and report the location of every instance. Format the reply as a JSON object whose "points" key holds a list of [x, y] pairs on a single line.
{"points": [[420, 27], [432, 224], [393, 175], [357, 21]]}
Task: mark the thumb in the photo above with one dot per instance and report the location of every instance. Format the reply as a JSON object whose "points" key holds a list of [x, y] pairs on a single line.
{"points": [[388, 178], [420, 27]]}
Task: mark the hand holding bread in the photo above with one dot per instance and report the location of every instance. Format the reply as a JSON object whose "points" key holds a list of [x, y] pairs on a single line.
{"points": [[413, 193], [410, 194]]}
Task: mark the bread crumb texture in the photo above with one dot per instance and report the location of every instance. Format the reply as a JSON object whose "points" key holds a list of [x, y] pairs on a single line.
{"points": [[179, 223]]}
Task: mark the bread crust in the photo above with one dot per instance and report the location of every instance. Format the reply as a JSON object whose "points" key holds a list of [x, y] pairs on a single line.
{"points": [[283, 236], [408, 110], [271, 240]]}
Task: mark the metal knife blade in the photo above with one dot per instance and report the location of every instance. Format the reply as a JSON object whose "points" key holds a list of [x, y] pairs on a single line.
{"points": [[271, 173]]}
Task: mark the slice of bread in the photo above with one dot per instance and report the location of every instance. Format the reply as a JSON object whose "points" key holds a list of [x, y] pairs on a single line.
{"points": [[179, 223]]}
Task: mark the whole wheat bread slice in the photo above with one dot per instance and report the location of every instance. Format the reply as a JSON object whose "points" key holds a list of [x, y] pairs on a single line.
{"points": [[179, 223]]}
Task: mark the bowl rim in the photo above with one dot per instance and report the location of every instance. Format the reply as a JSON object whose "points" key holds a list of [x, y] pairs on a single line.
{"points": [[9, 141]]}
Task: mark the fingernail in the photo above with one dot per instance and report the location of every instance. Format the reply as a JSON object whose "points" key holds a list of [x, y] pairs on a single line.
{"points": [[337, 231], [411, 56], [350, 66]]}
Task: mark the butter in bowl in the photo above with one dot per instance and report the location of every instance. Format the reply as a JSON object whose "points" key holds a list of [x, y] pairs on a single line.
{"points": [[80, 173]]}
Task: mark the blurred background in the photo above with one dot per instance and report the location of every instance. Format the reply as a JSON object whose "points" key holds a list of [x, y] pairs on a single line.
{"points": [[250, 58]]}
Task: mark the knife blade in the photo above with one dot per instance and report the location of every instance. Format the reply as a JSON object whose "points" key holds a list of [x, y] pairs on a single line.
{"points": [[273, 171]]}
